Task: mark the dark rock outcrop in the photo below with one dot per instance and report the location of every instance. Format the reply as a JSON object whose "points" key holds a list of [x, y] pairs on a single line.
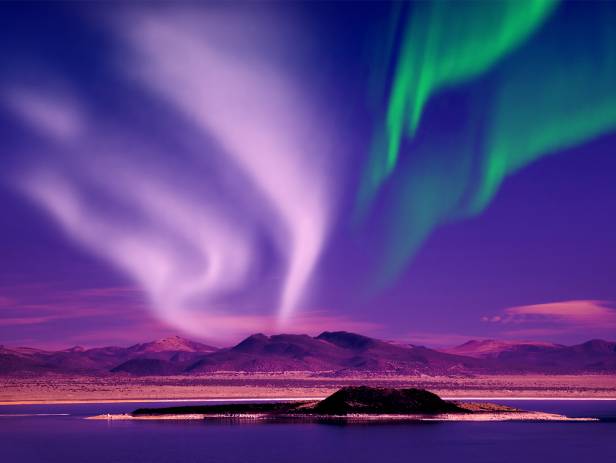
{"points": [[371, 400]]}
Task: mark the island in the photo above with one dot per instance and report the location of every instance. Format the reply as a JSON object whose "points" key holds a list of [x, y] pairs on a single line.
{"points": [[353, 403]]}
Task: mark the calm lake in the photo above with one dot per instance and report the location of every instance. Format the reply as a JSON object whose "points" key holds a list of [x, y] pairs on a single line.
{"points": [[33, 433]]}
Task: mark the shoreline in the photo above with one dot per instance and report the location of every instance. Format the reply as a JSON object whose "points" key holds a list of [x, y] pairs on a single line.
{"points": [[265, 417]]}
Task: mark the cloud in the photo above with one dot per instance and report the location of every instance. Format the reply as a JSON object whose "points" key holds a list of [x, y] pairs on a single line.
{"points": [[4, 321], [556, 318], [6, 302], [22, 306], [43, 315]]}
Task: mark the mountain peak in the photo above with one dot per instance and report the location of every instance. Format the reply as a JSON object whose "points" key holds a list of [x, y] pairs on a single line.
{"points": [[172, 344], [598, 345], [251, 342]]}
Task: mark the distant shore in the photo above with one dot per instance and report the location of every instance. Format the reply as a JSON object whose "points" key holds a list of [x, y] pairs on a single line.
{"points": [[58, 389], [280, 399]]}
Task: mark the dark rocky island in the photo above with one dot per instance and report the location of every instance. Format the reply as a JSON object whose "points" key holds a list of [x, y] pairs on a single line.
{"points": [[356, 403], [359, 403], [346, 401]]}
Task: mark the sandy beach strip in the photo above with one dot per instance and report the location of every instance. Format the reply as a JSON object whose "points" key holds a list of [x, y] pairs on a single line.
{"points": [[262, 388], [501, 416], [58, 389]]}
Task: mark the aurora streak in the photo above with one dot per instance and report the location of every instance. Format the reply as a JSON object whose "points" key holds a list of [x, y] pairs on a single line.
{"points": [[527, 101]]}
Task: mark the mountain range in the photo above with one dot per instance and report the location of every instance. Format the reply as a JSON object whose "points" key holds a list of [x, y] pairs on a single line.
{"points": [[335, 353]]}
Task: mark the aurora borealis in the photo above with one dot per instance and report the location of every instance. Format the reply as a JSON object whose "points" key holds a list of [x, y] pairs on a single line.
{"points": [[533, 103], [220, 169], [445, 43]]}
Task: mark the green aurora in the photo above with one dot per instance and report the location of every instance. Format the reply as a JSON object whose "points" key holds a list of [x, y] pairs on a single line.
{"points": [[530, 98]]}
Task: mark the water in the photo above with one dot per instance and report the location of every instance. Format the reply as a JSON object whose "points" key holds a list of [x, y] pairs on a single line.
{"points": [[70, 438]]}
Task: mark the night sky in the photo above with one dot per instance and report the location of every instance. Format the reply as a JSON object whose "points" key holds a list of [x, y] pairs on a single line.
{"points": [[430, 172]]}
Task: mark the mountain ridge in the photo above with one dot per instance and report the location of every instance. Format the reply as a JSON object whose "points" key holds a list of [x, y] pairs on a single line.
{"points": [[331, 352]]}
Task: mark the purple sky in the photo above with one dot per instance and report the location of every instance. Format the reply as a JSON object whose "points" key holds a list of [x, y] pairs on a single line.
{"points": [[166, 171]]}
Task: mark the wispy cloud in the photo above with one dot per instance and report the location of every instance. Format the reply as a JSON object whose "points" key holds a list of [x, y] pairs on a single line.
{"points": [[6, 302], [26, 307], [31, 320], [58, 317], [555, 318]]}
